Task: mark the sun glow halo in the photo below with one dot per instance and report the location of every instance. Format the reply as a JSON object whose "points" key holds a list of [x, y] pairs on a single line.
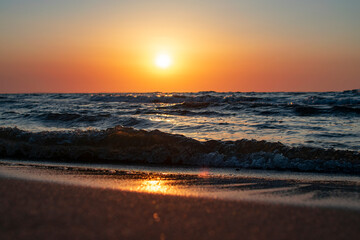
{"points": [[163, 60]]}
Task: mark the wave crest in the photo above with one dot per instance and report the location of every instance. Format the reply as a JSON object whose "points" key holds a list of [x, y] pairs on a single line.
{"points": [[128, 145]]}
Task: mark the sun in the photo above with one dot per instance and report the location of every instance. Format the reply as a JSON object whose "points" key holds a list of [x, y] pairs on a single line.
{"points": [[163, 60]]}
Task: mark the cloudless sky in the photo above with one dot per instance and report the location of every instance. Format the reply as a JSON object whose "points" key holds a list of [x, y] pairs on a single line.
{"points": [[229, 45]]}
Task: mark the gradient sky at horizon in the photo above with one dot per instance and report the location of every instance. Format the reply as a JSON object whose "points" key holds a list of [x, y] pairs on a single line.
{"points": [[109, 46]]}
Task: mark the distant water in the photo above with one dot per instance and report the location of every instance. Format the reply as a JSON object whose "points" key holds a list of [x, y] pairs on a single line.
{"points": [[326, 122]]}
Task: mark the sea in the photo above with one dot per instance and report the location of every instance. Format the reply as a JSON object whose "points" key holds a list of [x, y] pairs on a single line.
{"points": [[291, 131]]}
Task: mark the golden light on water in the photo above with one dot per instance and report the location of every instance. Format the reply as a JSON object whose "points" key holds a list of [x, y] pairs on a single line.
{"points": [[154, 186]]}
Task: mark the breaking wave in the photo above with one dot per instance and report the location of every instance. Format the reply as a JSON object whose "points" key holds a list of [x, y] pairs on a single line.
{"points": [[127, 145]]}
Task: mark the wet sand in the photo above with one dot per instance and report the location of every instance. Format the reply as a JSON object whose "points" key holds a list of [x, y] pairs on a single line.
{"points": [[44, 210]]}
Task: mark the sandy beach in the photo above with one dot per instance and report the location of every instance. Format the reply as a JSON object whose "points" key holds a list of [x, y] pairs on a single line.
{"points": [[44, 210]]}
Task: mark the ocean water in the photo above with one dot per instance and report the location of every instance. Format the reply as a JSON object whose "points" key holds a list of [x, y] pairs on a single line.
{"points": [[302, 131]]}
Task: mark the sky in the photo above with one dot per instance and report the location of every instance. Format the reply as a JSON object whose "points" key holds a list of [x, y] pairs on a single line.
{"points": [[228, 45]]}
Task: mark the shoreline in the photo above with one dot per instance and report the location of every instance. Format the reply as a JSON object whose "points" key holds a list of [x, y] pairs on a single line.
{"points": [[44, 210], [288, 188]]}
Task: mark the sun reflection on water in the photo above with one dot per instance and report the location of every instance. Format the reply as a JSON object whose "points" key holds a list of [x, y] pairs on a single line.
{"points": [[154, 186]]}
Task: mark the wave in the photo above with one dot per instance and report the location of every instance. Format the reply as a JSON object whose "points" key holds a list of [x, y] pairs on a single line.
{"points": [[181, 112], [74, 119], [192, 105], [70, 117], [128, 145], [303, 110], [336, 99], [6, 101], [303, 104], [209, 98], [326, 98], [346, 109], [353, 91]]}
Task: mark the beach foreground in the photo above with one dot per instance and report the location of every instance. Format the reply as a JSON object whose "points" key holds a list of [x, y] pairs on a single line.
{"points": [[45, 210]]}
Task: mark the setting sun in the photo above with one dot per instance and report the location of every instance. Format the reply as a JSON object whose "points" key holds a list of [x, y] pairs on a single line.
{"points": [[163, 60]]}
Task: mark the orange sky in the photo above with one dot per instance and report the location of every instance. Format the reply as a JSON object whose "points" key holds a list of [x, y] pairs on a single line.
{"points": [[107, 46]]}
